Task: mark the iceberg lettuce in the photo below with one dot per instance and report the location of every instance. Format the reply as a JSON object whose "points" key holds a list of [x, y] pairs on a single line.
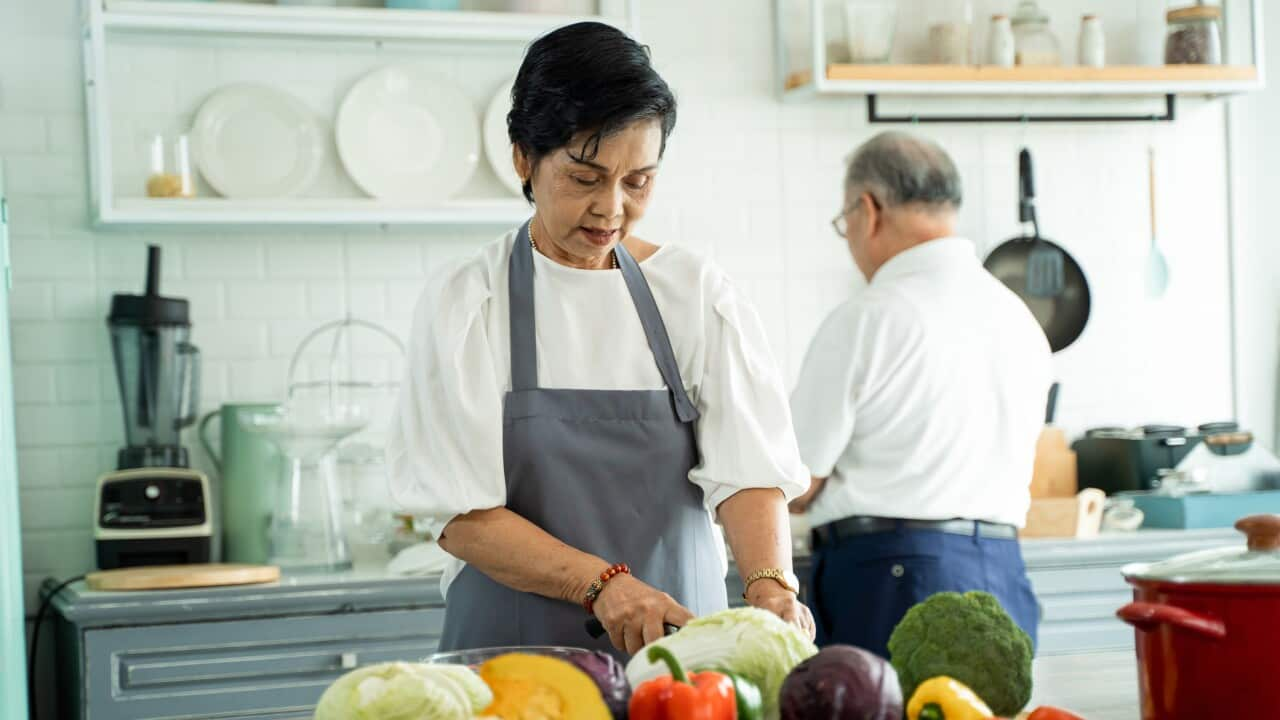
{"points": [[405, 691], [750, 642]]}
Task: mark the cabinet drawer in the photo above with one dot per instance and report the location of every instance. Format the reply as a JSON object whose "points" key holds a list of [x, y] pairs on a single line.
{"points": [[1078, 580], [1083, 606], [253, 668], [1068, 638]]}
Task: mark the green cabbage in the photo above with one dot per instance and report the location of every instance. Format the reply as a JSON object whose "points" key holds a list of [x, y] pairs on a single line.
{"points": [[753, 643], [405, 691]]}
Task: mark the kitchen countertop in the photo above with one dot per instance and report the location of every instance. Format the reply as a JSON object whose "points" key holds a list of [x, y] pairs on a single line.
{"points": [[369, 590], [319, 593], [1097, 686]]}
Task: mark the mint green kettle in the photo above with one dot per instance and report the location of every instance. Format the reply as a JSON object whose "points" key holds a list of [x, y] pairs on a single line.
{"points": [[249, 465]]}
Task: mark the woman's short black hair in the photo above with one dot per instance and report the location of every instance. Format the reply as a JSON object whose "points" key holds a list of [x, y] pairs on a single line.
{"points": [[586, 76]]}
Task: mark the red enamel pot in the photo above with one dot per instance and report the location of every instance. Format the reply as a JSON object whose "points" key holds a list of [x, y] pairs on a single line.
{"points": [[1208, 629]]}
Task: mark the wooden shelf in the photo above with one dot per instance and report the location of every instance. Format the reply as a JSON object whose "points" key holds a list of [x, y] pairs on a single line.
{"points": [[971, 80], [220, 212], [330, 22]]}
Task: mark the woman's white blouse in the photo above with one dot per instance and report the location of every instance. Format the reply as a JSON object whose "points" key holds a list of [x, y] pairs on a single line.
{"points": [[444, 448]]}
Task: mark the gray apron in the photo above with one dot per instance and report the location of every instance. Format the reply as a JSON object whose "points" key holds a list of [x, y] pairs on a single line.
{"points": [[605, 471]]}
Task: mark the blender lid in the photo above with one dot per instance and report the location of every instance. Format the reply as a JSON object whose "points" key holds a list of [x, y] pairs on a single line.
{"points": [[1256, 564], [150, 309]]}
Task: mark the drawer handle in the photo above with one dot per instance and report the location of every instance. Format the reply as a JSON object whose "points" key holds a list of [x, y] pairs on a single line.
{"points": [[349, 661]]}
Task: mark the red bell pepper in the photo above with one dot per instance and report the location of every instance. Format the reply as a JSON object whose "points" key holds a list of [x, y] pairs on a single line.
{"points": [[1052, 713], [697, 696]]}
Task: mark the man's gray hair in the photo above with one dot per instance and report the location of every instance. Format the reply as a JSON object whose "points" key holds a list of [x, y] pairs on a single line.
{"points": [[902, 169]]}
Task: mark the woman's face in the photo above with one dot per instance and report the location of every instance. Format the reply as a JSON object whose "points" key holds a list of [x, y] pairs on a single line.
{"points": [[585, 207]]}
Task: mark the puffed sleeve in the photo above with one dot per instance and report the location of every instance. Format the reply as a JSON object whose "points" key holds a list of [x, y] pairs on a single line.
{"points": [[444, 450], [744, 435]]}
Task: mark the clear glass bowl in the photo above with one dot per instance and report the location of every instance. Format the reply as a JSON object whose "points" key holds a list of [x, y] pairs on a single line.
{"points": [[869, 29], [479, 656]]}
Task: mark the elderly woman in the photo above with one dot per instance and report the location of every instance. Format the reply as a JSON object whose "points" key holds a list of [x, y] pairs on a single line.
{"points": [[581, 404]]}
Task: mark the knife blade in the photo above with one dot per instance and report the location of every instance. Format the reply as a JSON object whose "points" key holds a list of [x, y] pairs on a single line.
{"points": [[595, 628]]}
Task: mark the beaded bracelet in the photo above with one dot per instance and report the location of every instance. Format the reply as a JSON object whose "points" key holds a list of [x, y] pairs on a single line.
{"points": [[597, 585]]}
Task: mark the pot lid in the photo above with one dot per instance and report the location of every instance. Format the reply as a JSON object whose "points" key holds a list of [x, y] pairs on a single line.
{"points": [[1160, 430], [1257, 563], [1216, 428]]}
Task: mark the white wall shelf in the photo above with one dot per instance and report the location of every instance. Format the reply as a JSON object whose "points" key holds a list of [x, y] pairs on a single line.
{"points": [[333, 22], [161, 212], [970, 80], [111, 24], [807, 67]]}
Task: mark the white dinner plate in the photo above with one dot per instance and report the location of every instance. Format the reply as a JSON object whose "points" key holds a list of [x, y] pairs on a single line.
{"points": [[497, 142], [253, 141], [408, 136]]}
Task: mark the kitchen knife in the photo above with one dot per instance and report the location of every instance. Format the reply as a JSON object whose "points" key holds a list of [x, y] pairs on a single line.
{"points": [[595, 628]]}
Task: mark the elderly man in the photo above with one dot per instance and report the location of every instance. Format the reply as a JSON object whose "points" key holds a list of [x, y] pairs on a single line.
{"points": [[917, 409]]}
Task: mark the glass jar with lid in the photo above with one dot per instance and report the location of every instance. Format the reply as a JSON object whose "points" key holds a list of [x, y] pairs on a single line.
{"points": [[1194, 36], [950, 29], [1034, 43]]}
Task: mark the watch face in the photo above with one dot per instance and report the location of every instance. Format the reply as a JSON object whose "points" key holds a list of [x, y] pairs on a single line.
{"points": [[792, 579]]}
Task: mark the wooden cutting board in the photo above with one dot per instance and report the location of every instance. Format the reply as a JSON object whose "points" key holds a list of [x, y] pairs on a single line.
{"points": [[1071, 517], [172, 577], [1054, 475]]}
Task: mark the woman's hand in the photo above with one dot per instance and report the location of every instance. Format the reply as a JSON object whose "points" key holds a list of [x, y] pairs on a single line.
{"points": [[634, 613], [769, 595]]}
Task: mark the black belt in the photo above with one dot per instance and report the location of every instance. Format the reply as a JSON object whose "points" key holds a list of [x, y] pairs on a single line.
{"points": [[834, 532]]}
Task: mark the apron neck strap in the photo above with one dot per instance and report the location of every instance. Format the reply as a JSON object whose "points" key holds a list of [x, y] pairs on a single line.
{"points": [[524, 352], [655, 331]]}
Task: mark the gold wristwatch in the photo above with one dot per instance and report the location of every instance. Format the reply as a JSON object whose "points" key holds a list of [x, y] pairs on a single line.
{"points": [[785, 578]]}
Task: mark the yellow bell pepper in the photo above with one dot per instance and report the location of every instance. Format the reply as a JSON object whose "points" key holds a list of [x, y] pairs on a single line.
{"points": [[943, 698]]}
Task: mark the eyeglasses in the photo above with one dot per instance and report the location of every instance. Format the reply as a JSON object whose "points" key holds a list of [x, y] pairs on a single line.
{"points": [[840, 223]]}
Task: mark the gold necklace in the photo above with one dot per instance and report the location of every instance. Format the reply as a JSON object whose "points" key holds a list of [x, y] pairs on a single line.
{"points": [[613, 254]]}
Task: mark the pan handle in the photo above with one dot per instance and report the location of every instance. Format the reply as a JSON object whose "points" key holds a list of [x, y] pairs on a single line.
{"points": [[1148, 617], [1027, 192], [1025, 175]]}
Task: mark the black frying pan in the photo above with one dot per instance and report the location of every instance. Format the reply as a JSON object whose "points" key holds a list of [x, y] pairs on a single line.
{"points": [[1063, 316]]}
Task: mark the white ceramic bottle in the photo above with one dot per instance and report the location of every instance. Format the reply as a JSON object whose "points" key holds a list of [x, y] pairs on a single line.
{"points": [[1001, 51], [1093, 42]]}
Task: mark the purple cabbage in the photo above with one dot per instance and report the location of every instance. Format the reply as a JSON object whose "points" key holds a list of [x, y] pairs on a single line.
{"points": [[609, 676], [842, 682]]}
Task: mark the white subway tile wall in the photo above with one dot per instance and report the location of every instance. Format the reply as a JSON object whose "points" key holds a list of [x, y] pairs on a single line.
{"points": [[748, 180]]}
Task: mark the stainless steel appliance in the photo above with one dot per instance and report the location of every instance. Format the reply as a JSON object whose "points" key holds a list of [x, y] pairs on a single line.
{"points": [[1215, 457], [1118, 460], [153, 509]]}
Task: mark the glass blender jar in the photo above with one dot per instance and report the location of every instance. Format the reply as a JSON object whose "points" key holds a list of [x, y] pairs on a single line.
{"points": [[158, 371]]}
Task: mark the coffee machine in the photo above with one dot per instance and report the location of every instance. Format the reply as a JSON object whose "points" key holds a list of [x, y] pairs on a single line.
{"points": [[153, 509]]}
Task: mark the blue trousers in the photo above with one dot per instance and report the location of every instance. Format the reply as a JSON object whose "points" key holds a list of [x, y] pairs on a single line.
{"points": [[862, 585]]}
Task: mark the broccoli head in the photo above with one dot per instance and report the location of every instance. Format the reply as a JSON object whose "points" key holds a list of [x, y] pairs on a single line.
{"points": [[970, 638]]}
